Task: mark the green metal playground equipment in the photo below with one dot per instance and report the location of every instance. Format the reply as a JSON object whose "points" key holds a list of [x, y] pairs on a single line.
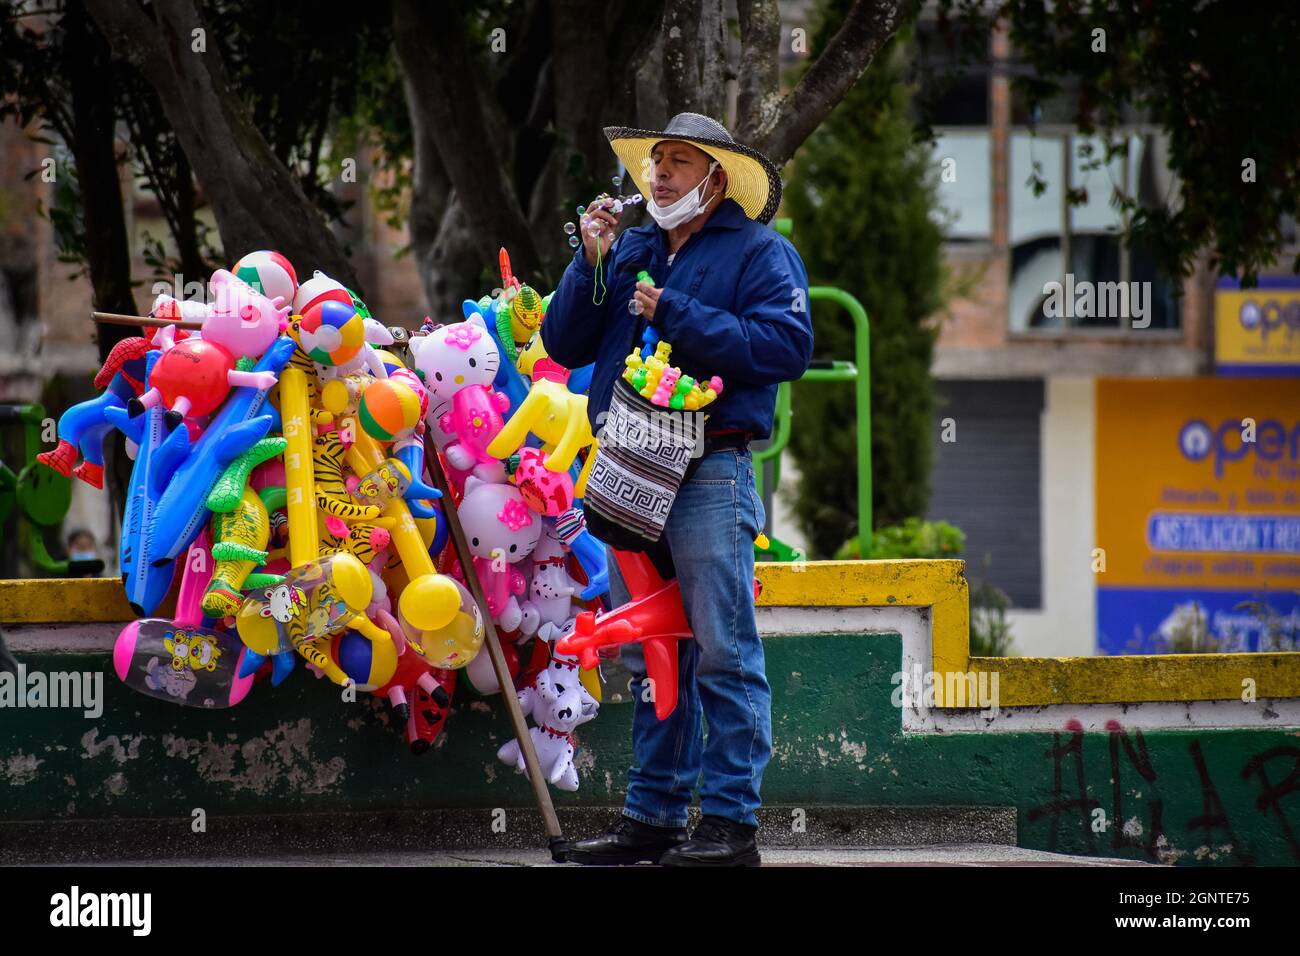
{"points": [[767, 459], [41, 495]]}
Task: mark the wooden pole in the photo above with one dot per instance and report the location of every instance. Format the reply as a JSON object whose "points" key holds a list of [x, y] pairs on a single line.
{"points": [[145, 321], [556, 843]]}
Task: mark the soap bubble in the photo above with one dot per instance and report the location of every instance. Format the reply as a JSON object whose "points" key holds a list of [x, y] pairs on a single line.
{"points": [[635, 307], [570, 228], [573, 241], [581, 210], [617, 181]]}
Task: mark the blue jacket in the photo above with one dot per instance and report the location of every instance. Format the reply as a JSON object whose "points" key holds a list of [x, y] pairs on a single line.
{"points": [[734, 304]]}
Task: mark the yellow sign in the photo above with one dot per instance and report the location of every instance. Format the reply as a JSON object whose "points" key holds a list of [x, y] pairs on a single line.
{"points": [[1257, 331], [1197, 502]]}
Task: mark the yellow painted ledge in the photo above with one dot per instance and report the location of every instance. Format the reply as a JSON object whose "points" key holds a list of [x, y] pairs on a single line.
{"points": [[1027, 681], [63, 600], [1023, 681], [938, 585]]}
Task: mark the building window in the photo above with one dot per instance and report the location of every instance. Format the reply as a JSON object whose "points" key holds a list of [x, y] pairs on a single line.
{"points": [[1070, 271], [965, 201]]}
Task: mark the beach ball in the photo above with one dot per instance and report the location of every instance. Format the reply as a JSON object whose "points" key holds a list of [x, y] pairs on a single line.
{"points": [[388, 409], [390, 361], [269, 273], [371, 664], [332, 332], [408, 377], [317, 289]]}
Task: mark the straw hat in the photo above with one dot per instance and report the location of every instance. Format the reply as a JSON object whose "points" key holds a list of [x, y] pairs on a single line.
{"points": [[752, 179]]}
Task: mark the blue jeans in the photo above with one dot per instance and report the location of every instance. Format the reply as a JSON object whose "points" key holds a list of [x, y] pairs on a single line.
{"points": [[710, 532]]}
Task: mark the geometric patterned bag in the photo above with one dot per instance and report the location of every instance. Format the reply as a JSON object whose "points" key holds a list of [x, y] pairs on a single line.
{"points": [[643, 456]]}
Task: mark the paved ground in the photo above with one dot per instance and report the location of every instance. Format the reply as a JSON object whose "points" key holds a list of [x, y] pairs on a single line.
{"points": [[972, 854]]}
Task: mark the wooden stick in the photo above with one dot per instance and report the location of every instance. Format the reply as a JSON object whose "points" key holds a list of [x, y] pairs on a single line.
{"points": [[557, 843], [146, 321]]}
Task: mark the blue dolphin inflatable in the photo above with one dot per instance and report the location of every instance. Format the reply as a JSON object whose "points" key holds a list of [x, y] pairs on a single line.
{"points": [[182, 511], [146, 576]]}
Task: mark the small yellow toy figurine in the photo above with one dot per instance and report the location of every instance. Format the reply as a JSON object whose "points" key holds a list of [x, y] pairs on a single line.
{"points": [[665, 385]]}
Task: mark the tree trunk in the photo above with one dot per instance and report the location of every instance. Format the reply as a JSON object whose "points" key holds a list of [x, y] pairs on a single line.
{"points": [[89, 71], [443, 85], [777, 125], [257, 201], [87, 60], [694, 58], [455, 266]]}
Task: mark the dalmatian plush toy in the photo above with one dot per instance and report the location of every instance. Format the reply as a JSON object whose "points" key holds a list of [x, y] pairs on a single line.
{"points": [[552, 588], [558, 703]]}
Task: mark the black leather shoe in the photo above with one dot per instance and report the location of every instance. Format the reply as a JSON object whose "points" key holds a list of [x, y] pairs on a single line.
{"points": [[627, 841], [717, 841]]}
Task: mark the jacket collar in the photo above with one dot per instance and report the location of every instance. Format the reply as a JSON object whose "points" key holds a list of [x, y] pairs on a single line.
{"points": [[729, 215]]}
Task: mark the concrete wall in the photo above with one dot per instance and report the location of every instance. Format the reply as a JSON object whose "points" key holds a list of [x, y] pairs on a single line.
{"points": [[1066, 625], [1154, 759]]}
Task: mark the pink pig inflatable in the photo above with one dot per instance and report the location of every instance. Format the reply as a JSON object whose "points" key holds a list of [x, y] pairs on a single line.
{"points": [[194, 376]]}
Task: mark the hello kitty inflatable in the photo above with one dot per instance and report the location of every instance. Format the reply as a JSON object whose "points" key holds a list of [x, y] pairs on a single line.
{"points": [[449, 358], [501, 531], [193, 376]]}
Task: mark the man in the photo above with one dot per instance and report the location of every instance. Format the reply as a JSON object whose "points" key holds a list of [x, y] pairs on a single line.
{"points": [[730, 296]]}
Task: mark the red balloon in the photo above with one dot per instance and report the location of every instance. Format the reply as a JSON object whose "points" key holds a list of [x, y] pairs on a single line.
{"points": [[196, 369]]}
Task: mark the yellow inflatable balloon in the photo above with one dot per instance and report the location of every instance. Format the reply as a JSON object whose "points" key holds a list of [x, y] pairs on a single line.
{"points": [[455, 644]]}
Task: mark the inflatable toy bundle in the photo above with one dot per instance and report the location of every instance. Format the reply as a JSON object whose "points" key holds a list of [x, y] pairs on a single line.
{"points": [[280, 489]]}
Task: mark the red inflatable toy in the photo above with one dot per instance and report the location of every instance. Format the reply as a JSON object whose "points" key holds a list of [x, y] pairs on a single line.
{"points": [[654, 616]]}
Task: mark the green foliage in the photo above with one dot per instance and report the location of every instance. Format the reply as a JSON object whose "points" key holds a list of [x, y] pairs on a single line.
{"points": [[1211, 76], [861, 194], [990, 631], [65, 213], [913, 538]]}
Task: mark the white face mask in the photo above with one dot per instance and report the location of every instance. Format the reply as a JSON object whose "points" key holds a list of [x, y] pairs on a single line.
{"points": [[684, 209]]}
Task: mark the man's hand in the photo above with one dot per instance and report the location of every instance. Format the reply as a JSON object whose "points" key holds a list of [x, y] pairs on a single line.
{"points": [[648, 296], [598, 213]]}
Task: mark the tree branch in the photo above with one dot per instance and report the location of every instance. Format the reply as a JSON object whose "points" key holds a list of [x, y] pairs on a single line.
{"points": [[779, 129]]}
